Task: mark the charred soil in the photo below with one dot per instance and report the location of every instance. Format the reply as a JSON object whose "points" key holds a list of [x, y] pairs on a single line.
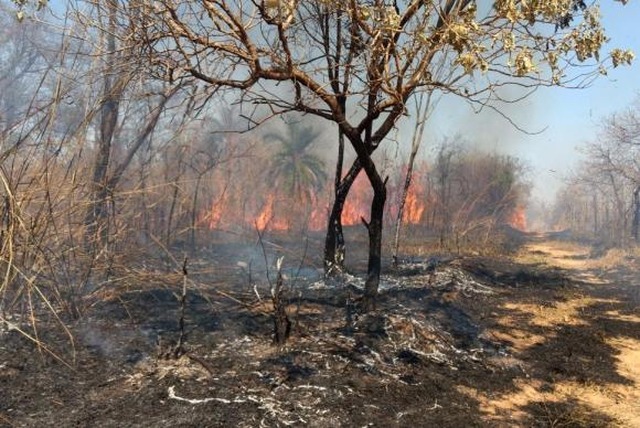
{"points": [[549, 338]]}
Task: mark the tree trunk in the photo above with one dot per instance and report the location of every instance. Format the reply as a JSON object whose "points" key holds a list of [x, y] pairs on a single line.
{"points": [[422, 107], [635, 226], [194, 214], [281, 322], [374, 228], [403, 200], [174, 201], [334, 249], [97, 210], [595, 215], [334, 253], [364, 149]]}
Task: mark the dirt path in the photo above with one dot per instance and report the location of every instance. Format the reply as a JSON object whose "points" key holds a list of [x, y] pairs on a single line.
{"points": [[601, 311]]}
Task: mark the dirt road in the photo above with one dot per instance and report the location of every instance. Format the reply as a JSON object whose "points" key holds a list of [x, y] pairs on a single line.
{"points": [[598, 319]]}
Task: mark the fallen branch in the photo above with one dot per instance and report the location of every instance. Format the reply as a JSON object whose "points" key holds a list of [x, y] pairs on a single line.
{"points": [[435, 406], [173, 396], [202, 363]]}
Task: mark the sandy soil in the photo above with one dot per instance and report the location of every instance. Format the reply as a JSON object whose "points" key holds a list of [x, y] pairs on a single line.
{"points": [[604, 305], [550, 338]]}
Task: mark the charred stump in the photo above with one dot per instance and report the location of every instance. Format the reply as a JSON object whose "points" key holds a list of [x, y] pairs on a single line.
{"points": [[281, 321]]}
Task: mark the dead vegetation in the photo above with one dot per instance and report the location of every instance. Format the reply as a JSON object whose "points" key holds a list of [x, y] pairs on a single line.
{"points": [[456, 341], [115, 165]]}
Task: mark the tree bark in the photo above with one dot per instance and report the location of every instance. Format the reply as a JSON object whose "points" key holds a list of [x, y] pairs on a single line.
{"points": [[403, 200], [334, 249], [635, 226], [374, 228], [334, 244], [422, 107], [97, 210], [281, 322]]}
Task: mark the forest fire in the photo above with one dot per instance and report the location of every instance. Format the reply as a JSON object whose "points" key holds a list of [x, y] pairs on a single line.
{"points": [[283, 214], [268, 219], [427, 202], [518, 218], [358, 202], [417, 199], [413, 209], [214, 217]]}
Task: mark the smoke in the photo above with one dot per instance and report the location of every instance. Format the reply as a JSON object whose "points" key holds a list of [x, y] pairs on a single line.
{"points": [[520, 129]]}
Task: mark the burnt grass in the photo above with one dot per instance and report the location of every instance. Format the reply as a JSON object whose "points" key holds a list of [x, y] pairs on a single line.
{"points": [[425, 357]]}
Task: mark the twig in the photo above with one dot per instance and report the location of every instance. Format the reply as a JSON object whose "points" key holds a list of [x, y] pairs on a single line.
{"points": [[282, 324], [179, 349], [202, 362], [435, 406], [264, 251], [173, 396], [163, 248], [12, 326], [6, 420]]}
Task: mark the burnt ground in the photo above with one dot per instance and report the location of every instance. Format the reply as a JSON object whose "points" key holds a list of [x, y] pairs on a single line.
{"points": [[549, 338]]}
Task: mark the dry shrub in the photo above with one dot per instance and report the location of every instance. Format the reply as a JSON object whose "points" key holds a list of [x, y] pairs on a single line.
{"points": [[568, 414], [614, 258]]}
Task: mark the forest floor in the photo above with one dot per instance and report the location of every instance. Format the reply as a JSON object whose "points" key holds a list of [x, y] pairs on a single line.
{"points": [[549, 337]]}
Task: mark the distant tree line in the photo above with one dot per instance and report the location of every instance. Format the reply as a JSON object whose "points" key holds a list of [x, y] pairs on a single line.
{"points": [[601, 200]]}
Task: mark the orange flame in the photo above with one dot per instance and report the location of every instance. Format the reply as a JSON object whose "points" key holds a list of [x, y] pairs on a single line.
{"points": [[278, 215], [214, 217], [358, 202], [518, 219], [267, 217], [413, 209]]}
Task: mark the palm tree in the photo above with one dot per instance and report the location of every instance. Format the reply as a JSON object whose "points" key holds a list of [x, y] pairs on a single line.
{"points": [[296, 172]]}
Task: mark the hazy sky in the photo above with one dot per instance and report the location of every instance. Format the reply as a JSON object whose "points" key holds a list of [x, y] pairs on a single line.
{"points": [[570, 117]]}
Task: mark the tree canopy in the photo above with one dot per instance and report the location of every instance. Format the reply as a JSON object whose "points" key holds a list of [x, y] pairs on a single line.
{"points": [[357, 63]]}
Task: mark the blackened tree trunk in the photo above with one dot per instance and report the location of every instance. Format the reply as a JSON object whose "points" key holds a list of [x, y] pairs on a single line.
{"points": [[281, 322], [334, 249], [364, 149], [374, 227]]}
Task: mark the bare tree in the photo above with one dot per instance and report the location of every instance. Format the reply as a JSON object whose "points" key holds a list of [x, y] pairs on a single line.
{"points": [[389, 52], [446, 159], [423, 110], [119, 76], [608, 182], [67, 147]]}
